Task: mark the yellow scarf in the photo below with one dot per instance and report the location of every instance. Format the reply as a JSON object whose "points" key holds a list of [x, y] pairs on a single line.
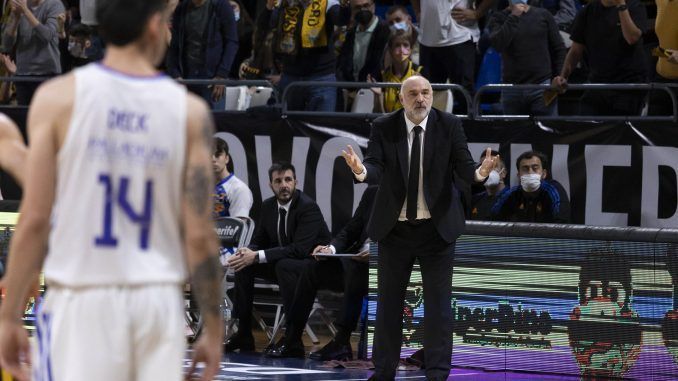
{"points": [[313, 33]]}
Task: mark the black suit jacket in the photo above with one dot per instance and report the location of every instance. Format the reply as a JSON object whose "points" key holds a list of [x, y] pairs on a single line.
{"points": [[306, 229], [373, 60], [445, 154], [351, 238]]}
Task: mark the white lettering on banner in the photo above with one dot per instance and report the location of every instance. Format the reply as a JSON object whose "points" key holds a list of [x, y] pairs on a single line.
{"points": [[237, 153], [559, 168], [597, 158], [300, 145], [324, 177], [653, 158], [262, 148]]}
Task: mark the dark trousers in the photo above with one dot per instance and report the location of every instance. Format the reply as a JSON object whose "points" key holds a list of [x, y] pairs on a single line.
{"points": [[25, 90], [454, 62], [341, 274], [397, 253], [284, 272]]}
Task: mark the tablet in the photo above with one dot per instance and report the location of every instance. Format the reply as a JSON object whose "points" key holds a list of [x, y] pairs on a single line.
{"points": [[336, 255]]}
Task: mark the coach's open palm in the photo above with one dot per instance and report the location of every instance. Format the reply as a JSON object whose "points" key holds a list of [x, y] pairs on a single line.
{"points": [[15, 353], [353, 160]]}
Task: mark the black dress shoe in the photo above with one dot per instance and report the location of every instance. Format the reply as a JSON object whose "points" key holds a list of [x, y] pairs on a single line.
{"points": [[333, 351], [287, 350], [237, 342]]}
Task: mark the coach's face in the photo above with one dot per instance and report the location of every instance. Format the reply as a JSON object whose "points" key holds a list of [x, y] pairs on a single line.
{"points": [[283, 185], [416, 97]]}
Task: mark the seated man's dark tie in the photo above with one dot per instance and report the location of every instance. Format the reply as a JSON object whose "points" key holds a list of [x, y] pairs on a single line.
{"points": [[413, 177], [282, 232]]}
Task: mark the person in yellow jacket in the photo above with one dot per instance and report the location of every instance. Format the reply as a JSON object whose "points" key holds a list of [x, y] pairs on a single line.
{"points": [[666, 29], [399, 48]]}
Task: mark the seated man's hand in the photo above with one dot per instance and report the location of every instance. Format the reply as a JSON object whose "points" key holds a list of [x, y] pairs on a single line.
{"points": [[363, 256], [321, 249], [242, 258]]}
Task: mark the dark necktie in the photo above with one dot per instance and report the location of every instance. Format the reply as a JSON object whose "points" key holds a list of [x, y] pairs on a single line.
{"points": [[282, 234], [413, 178]]}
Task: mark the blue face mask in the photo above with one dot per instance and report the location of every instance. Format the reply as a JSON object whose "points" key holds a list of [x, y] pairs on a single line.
{"points": [[400, 26], [237, 16], [514, 2]]}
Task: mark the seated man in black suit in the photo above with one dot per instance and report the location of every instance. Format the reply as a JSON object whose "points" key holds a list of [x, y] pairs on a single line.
{"points": [[290, 225], [349, 275]]}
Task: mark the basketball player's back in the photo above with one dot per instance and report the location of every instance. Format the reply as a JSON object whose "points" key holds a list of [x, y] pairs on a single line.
{"points": [[118, 179]]}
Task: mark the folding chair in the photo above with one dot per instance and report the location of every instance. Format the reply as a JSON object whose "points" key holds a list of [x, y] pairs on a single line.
{"points": [[233, 233]]}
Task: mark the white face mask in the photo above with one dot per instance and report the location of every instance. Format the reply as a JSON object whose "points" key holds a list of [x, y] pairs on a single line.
{"points": [[531, 182], [400, 26], [493, 179], [237, 16]]}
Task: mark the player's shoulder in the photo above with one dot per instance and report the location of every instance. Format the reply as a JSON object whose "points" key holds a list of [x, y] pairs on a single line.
{"points": [[57, 92], [8, 129]]}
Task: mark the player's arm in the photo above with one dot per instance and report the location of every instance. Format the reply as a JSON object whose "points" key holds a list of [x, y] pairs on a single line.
{"points": [[13, 151], [29, 243], [200, 240]]}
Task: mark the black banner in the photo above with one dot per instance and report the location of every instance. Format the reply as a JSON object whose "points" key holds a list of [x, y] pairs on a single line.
{"points": [[620, 174]]}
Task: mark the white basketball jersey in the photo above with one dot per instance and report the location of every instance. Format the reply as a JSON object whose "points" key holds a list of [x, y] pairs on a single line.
{"points": [[115, 219]]}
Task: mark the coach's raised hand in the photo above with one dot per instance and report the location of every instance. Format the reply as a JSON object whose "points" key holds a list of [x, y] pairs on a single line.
{"points": [[353, 160]]}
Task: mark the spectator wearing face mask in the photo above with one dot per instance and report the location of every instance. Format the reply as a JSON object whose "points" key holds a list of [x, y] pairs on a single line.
{"points": [[399, 20], [536, 199], [80, 45], [399, 49], [482, 202], [362, 52]]}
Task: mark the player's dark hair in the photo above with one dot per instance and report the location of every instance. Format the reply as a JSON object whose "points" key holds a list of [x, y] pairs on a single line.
{"points": [[121, 22]]}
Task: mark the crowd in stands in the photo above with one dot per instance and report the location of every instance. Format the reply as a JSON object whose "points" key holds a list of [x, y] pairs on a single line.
{"points": [[548, 42]]}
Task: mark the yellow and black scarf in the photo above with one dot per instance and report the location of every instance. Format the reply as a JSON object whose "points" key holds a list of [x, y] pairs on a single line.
{"points": [[312, 18]]}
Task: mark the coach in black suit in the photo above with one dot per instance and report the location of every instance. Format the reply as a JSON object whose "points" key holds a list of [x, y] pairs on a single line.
{"points": [[413, 154], [349, 275], [290, 225]]}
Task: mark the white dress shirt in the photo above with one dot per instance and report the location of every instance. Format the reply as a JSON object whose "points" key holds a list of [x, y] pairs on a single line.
{"points": [[262, 255], [422, 209]]}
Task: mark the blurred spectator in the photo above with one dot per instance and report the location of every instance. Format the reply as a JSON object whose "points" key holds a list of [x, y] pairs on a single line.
{"points": [[536, 199], [232, 197], [80, 46], [610, 32], [204, 44], [448, 33], [399, 19], [88, 12], [363, 51], [304, 41], [481, 203], [245, 27], [33, 30], [532, 52], [666, 28], [399, 48]]}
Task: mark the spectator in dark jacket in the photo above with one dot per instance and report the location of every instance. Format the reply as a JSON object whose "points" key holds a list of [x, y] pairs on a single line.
{"points": [[611, 34], [363, 50], [536, 199], [245, 26], [204, 44], [532, 52], [305, 45]]}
